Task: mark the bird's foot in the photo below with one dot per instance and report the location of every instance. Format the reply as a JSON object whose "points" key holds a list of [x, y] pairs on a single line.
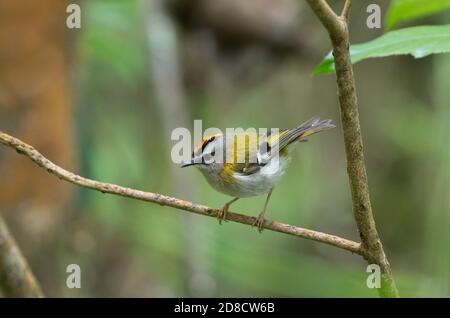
{"points": [[259, 222], [222, 215]]}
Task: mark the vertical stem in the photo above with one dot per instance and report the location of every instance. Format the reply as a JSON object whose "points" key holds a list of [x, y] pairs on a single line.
{"points": [[16, 278], [371, 243], [372, 249]]}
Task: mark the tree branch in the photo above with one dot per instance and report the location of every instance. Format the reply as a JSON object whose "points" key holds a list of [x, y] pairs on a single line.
{"points": [[16, 278], [372, 247], [346, 9], [63, 174], [326, 15]]}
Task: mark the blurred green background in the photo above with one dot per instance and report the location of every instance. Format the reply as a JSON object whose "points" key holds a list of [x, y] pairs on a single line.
{"points": [[138, 69]]}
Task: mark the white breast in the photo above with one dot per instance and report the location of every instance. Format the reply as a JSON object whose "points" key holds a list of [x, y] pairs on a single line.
{"points": [[250, 185]]}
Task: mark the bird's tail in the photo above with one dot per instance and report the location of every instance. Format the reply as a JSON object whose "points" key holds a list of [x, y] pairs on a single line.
{"points": [[308, 128]]}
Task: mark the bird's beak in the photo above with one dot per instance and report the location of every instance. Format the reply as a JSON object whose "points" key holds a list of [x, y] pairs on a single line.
{"points": [[187, 164], [191, 162]]}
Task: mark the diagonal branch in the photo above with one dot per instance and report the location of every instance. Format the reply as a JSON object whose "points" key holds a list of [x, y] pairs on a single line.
{"points": [[16, 278], [63, 174], [372, 247], [327, 17], [346, 9]]}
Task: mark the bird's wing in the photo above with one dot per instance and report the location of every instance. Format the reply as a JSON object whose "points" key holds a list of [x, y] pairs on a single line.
{"points": [[243, 153]]}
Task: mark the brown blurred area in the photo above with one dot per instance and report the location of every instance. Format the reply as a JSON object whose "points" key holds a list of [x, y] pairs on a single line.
{"points": [[35, 106], [231, 35], [276, 24]]}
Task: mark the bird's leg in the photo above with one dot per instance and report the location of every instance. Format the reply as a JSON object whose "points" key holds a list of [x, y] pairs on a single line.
{"points": [[260, 220], [222, 215]]}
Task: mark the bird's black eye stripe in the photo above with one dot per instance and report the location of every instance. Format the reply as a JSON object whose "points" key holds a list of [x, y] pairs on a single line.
{"points": [[207, 142], [265, 147]]}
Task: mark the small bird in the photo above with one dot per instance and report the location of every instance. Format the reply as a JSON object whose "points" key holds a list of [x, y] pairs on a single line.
{"points": [[247, 163]]}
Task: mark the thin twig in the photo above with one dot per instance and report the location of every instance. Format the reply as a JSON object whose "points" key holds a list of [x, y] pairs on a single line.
{"points": [[16, 278], [63, 174], [346, 9], [327, 16], [372, 247]]}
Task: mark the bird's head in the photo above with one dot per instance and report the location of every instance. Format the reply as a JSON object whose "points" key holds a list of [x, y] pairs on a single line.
{"points": [[208, 154]]}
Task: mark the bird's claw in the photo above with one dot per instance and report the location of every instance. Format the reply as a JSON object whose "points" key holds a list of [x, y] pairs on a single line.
{"points": [[222, 215], [259, 222]]}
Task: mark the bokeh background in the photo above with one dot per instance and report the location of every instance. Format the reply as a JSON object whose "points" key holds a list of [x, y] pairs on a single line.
{"points": [[103, 100]]}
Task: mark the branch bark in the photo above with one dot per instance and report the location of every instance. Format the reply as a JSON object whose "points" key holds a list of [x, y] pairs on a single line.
{"points": [[30, 152], [346, 9], [372, 248], [16, 278]]}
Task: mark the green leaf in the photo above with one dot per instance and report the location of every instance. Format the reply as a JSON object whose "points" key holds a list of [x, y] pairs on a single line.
{"points": [[417, 41], [404, 10]]}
